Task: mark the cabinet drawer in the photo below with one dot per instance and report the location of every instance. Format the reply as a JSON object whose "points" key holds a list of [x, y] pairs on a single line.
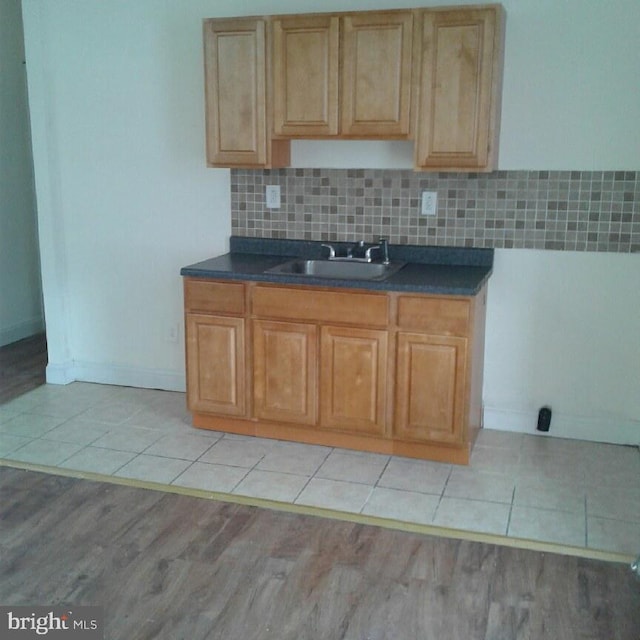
{"points": [[442, 316], [205, 296], [348, 307]]}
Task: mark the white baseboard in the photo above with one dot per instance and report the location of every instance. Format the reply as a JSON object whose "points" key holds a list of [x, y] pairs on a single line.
{"points": [[609, 429], [21, 330], [59, 373], [117, 375]]}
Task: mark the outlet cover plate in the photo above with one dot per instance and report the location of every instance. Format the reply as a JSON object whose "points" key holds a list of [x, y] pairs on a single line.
{"points": [[272, 196], [429, 203]]}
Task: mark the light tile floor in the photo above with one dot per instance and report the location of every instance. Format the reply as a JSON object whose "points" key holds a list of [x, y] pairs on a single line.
{"points": [[545, 489]]}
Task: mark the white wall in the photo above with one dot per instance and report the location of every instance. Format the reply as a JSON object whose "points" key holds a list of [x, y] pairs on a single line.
{"points": [[20, 292], [125, 200]]}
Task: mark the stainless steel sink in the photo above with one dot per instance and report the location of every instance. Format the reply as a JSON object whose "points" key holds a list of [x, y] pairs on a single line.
{"points": [[338, 269]]}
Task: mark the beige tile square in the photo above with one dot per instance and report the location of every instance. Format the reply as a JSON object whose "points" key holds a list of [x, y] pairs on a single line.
{"points": [[500, 440], [613, 535], [472, 515], [45, 452], [21, 404], [186, 446], [10, 443], [616, 467], [563, 469], [113, 412], [153, 469], [7, 414], [552, 446], [543, 493], [479, 485], [62, 407], [237, 453], [494, 460], [415, 475], [95, 460], [210, 477], [365, 469], [291, 457], [407, 506], [614, 502], [134, 439], [30, 425], [77, 431], [334, 494], [271, 485], [158, 418], [549, 526]]}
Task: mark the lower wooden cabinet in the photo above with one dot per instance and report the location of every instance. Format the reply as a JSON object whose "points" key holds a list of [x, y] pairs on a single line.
{"points": [[216, 364], [285, 371], [353, 379], [430, 388], [295, 363]]}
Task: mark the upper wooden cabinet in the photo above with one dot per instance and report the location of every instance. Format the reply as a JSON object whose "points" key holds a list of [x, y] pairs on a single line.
{"points": [[236, 59], [305, 76], [376, 74], [459, 89], [433, 75], [346, 75]]}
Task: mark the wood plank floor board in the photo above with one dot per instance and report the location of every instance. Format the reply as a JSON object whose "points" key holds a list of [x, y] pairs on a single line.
{"points": [[22, 366], [173, 566]]}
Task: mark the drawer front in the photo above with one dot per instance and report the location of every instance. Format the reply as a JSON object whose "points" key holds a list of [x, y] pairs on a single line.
{"points": [[348, 307], [206, 296], [439, 315]]}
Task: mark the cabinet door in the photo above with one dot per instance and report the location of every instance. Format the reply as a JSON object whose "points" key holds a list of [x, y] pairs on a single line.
{"points": [[430, 388], [215, 364], [235, 56], [305, 75], [459, 81], [284, 371], [376, 80], [353, 379]]}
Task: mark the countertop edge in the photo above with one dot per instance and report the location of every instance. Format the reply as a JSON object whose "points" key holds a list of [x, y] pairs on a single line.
{"points": [[367, 285]]}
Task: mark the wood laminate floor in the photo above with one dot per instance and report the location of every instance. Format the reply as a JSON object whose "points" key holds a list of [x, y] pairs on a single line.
{"points": [[166, 566], [22, 366]]}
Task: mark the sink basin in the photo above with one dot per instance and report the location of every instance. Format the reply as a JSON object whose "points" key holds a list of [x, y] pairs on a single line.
{"points": [[338, 269]]}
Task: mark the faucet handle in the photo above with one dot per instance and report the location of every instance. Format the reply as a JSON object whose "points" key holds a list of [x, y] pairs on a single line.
{"points": [[384, 248], [332, 251]]}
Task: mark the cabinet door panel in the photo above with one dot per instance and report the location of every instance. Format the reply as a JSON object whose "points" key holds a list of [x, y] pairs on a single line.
{"points": [[236, 60], [430, 389], [305, 76], [353, 379], [284, 369], [455, 126], [215, 364], [376, 96]]}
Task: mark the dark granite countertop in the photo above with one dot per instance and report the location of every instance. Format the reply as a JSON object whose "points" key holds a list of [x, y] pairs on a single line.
{"points": [[440, 270]]}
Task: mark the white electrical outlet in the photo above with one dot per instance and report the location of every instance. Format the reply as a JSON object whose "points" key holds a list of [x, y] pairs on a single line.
{"points": [[272, 196], [429, 203], [173, 333]]}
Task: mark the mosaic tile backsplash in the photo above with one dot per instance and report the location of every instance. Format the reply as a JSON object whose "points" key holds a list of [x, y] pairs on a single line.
{"points": [[562, 210]]}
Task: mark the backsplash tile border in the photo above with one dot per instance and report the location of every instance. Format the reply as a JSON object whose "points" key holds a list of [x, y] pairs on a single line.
{"points": [[560, 210]]}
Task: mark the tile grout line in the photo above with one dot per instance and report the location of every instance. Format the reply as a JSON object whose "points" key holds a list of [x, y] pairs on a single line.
{"points": [[513, 498], [311, 477]]}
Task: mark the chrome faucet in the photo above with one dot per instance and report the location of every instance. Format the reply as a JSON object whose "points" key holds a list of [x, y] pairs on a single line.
{"points": [[358, 253], [384, 247]]}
